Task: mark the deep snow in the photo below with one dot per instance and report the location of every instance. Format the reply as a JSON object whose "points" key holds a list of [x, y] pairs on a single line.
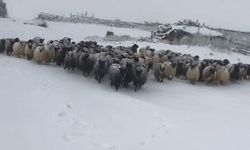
{"points": [[44, 107]]}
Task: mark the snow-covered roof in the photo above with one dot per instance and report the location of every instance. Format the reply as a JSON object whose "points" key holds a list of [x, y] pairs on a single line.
{"points": [[198, 30]]}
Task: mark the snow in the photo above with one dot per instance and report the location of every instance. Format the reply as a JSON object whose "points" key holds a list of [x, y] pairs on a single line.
{"points": [[228, 14], [196, 30], [45, 107], [57, 30]]}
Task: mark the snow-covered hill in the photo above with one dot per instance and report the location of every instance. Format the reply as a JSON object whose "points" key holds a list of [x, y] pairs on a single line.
{"points": [[44, 107], [15, 28]]}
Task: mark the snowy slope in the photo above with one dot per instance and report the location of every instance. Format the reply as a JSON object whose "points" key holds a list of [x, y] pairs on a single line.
{"points": [[44, 107], [10, 29]]}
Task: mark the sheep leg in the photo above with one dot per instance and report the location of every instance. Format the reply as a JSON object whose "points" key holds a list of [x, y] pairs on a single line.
{"points": [[99, 80], [96, 78], [135, 88], [111, 82], [222, 82], [125, 85]]}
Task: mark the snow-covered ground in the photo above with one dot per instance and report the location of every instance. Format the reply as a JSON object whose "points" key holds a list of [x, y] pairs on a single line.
{"points": [[57, 30], [44, 107]]}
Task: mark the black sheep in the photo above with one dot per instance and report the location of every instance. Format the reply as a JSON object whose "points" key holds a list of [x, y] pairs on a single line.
{"points": [[128, 77], [69, 61], [235, 72], [116, 74], [179, 69], [86, 63], [100, 69], [139, 76], [60, 56], [248, 71], [2, 45], [134, 48], [10, 46]]}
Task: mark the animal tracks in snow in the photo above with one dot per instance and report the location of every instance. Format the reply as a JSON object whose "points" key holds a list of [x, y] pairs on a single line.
{"points": [[163, 127], [72, 124]]}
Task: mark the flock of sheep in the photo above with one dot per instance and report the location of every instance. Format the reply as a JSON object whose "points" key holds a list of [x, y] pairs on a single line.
{"points": [[125, 65]]}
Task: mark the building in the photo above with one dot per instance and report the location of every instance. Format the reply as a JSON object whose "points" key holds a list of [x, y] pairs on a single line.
{"points": [[3, 9]]}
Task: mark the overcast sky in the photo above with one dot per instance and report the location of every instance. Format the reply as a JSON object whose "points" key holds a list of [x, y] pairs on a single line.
{"points": [[233, 14]]}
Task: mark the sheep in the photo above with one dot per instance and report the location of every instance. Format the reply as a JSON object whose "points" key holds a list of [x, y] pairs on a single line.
{"points": [[234, 72], [29, 50], [76, 55], [38, 40], [155, 59], [141, 61], [147, 51], [69, 61], [248, 71], [100, 69], [50, 52], [193, 73], [139, 75], [2, 45], [60, 56], [146, 61], [19, 48], [202, 65], [66, 41], [196, 58], [243, 72], [86, 62], [45, 54], [127, 64], [222, 73], [38, 57], [159, 69], [9, 45], [134, 48], [181, 69], [209, 74], [116, 75], [170, 70]]}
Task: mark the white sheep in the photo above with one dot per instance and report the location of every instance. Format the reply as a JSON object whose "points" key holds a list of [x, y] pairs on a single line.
{"points": [[243, 73], [222, 74], [159, 69], [170, 70], [19, 48], [193, 73], [49, 53], [146, 52], [38, 57], [29, 50]]}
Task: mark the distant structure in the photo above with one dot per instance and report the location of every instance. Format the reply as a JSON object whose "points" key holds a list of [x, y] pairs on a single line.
{"points": [[91, 19], [3, 9]]}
